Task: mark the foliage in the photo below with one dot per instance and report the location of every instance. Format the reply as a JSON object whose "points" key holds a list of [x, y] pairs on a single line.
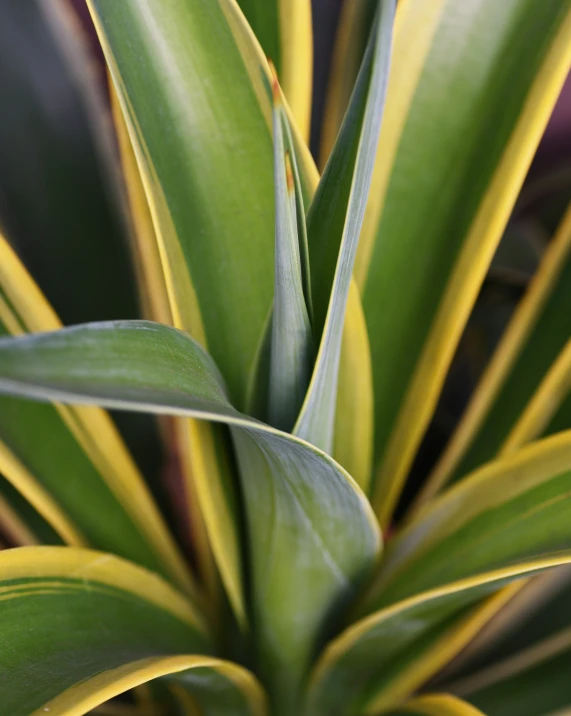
{"points": [[297, 332]]}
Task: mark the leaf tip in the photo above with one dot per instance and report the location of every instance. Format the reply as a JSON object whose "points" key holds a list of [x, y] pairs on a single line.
{"points": [[276, 92]]}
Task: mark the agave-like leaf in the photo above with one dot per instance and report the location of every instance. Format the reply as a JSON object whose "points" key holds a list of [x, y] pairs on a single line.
{"points": [[139, 628], [358, 671], [208, 179], [201, 449], [437, 705], [316, 420], [54, 124], [511, 511], [93, 493], [306, 562], [49, 88], [292, 342], [512, 508], [355, 22], [443, 191], [536, 334]]}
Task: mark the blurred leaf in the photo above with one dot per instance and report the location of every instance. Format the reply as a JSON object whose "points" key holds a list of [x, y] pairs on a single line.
{"points": [[443, 191], [17, 525], [355, 22], [58, 191], [305, 564], [60, 195], [536, 334], [92, 492], [54, 660], [358, 671], [437, 705], [511, 509], [533, 681]]}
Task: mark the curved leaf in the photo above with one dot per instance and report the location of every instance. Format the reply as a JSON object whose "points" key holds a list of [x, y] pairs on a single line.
{"points": [[93, 494], [358, 670], [306, 563], [511, 509], [438, 705], [446, 193], [208, 179], [79, 627], [200, 448], [536, 334]]}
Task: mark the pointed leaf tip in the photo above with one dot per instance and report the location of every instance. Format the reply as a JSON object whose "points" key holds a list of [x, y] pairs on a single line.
{"points": [[276, 91]]}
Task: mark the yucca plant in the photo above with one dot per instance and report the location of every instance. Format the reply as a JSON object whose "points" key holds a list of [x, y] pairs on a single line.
{"points": [[299, 331]]}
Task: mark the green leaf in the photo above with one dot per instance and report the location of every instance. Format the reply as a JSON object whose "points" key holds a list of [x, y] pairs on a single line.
{"points": [[264, 19], [359, 669], [20, 524], [57, 185], [305, 563], [94, 474], [202, 450], [443, 191], [355, 22], [59, 181], [209, 177], [537, 333], [511, 509], [292, 341], [138, 628], [353, 442], [316, 420], [437, 705]]}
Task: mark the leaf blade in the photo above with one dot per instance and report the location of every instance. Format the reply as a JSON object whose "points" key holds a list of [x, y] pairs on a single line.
{"points": [[442, 285], [149, 629], [149, 367], [316, 420]]}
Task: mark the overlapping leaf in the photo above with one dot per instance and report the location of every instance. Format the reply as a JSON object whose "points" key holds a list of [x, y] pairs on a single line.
{"points": [[208, 178], [341, 199], [493, 527], [138, 628], [71, 464], [306, 562], [439, 202], [538, 331], [365, 669]]}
